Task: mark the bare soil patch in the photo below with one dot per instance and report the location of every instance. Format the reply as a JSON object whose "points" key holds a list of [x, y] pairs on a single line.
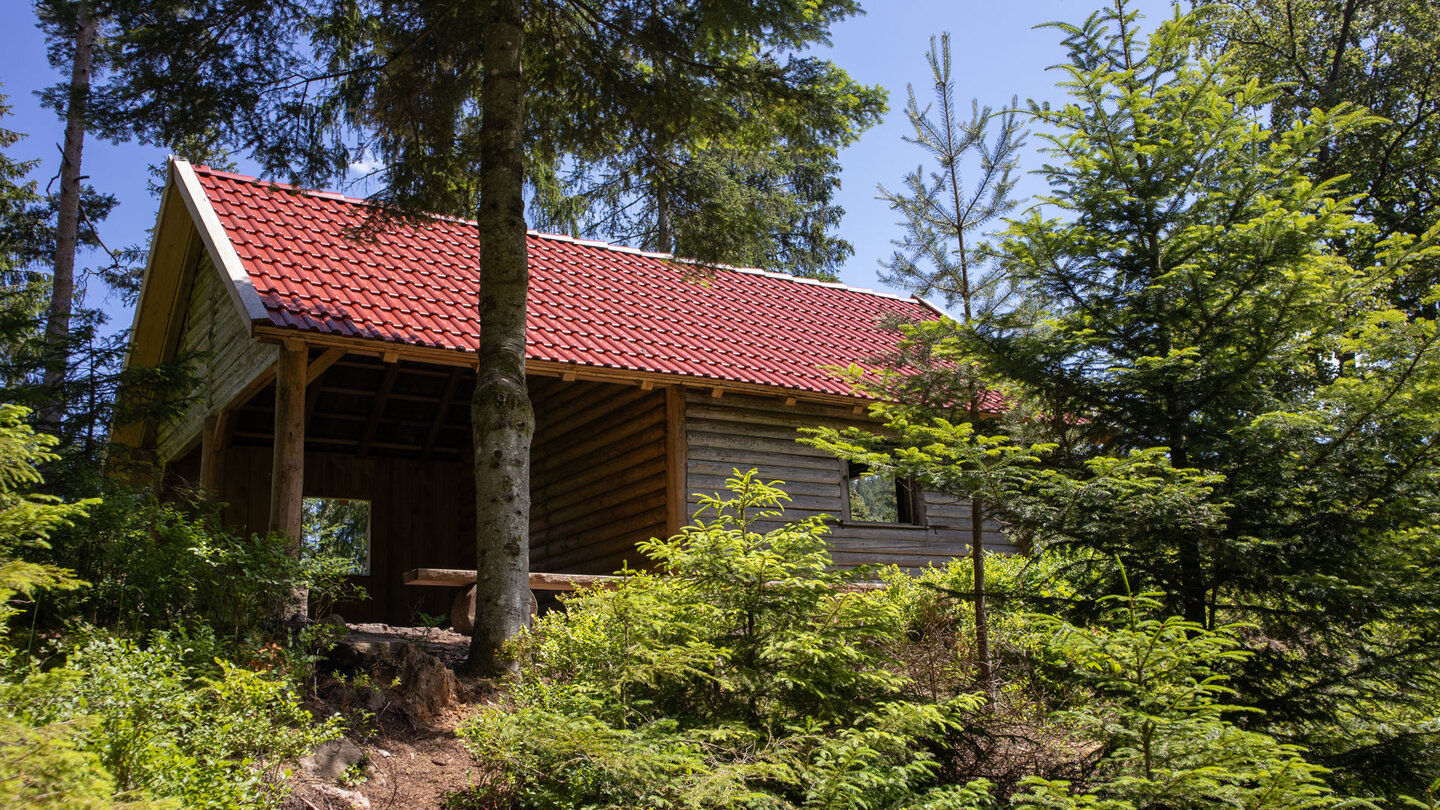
{"points": [[397, 689]]}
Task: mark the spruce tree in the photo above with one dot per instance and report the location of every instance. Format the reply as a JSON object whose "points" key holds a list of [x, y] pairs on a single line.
{"points": [[1182, 299], [465, 104]]}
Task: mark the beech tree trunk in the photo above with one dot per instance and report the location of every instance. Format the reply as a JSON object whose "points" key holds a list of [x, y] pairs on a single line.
{"points": [[67, 230], [501, 415]]}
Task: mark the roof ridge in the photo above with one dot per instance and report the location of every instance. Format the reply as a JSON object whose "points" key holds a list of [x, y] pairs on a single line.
{"points": [[337, 196]]}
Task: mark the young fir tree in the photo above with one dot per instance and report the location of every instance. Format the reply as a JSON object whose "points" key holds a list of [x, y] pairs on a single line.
{"points": [[1158, 711], [1181, 294], [943, 248]]}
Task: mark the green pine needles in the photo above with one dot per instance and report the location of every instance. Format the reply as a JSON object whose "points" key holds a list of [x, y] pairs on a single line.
{"points": [[742, 672]]}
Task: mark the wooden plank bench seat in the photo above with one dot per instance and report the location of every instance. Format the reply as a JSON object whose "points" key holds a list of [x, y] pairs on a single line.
{"points": [[462, 611], [460, 577]]}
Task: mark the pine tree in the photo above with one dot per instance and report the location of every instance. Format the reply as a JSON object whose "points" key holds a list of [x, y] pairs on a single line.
{"points": [[943, 248], [174, 73]]}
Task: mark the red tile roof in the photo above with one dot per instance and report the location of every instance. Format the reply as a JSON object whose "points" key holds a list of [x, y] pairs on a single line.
{"points": [[591, 304]]}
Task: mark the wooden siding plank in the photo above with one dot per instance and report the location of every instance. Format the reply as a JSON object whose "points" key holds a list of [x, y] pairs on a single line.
{"points": [[228, 360]]}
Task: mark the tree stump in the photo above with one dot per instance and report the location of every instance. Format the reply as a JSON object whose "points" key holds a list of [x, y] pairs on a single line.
{"points": [[462, 611]]}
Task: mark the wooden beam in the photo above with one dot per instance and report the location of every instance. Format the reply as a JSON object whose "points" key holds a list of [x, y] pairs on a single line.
{"points": [[377, 409], [212, 464], [366, 347], [321, 363], [676, 458], [717, 392], [318, 366], [452, 386], [287, 474]]}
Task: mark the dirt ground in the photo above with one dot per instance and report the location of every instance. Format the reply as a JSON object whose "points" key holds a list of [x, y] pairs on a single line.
{"points": [[411, 756]]}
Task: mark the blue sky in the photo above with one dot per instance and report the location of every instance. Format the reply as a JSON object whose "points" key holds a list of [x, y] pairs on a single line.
{"points": [[997, 52]]}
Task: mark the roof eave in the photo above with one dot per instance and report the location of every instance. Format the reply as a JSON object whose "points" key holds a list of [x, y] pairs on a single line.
{"points": [[217, 242]]}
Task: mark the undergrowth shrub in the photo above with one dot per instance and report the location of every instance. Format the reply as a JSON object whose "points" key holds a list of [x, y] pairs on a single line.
{"points": [[96, 720], [1155, 723], [938, 619], [155, 565], [157, 725], [743, 672]]}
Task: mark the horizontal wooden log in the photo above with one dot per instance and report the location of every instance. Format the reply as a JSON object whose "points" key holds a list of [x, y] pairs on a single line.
{"points": [[826, 411], [637, 516], [770, 472], [645, 430], [731, 459], [596, 402], [643, 462], [793, 418], [459, 577]]}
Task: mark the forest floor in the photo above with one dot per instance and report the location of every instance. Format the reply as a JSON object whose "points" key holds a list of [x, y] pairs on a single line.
{"points": [[403, 703]]}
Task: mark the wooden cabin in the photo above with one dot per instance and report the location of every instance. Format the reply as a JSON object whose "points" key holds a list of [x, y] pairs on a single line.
{"points": [[650, 382]]}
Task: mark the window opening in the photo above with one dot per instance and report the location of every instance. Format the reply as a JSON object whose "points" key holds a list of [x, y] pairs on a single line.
{"points": [[338, 527], [876, 498]]}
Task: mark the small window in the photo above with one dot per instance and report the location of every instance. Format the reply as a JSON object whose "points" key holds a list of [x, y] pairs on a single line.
{"points": [[875, 498], [338, 527]]}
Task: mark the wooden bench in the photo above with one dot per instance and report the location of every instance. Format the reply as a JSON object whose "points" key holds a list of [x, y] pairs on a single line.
{"points": [[462, 610], [460, 577]]}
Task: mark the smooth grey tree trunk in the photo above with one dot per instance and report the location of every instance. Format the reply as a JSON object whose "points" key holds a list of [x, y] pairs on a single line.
{"points": [[501, 415], [67, 230]]}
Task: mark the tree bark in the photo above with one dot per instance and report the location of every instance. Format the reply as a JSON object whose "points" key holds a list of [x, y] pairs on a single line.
{"points": [[982, 621], [501, 415], [287, 471], [1191, 557], [67, 230]]}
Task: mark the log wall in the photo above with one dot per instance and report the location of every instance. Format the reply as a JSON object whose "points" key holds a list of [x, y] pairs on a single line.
{"points": [[740, 432], [422, 514], [598, 483], [225, 358]]}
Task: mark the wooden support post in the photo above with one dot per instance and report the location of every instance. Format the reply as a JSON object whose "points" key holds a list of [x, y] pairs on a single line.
{"points": [[287, 474], [676, 458], [212, 452]]}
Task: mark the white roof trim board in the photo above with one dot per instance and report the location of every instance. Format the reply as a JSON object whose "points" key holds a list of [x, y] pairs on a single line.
{"points": [[242, 290]]}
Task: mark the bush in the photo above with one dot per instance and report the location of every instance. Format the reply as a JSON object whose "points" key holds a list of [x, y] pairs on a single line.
{"points": [[143, 723], [1157, 724], [742, 673], [108, 722], [157, 566]]}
